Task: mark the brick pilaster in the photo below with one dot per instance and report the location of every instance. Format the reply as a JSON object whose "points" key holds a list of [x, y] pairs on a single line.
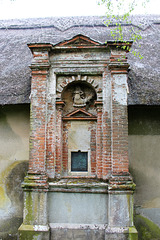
{"points": [[107, 166], [40, 68], [106, 125], [59, 140], [119, 121], [51, 140], [99, 109]]}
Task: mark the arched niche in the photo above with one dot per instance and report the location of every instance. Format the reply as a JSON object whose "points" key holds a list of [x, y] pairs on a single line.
{"points": [[79, 94]]}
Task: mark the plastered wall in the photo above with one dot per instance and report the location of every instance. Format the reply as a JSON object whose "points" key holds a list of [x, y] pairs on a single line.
{"points": [[14, 155], [144, 155]]}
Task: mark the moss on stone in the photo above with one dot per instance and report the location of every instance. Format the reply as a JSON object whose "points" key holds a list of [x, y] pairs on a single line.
{"points": [[28, 208], [28, 232], [26, 235], [133, 235], [147, 230]]}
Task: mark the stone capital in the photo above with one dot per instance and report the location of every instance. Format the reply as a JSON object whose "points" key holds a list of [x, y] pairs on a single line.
{"points": [[40, 61], [121, 183], [37, 181], [118, 67]]}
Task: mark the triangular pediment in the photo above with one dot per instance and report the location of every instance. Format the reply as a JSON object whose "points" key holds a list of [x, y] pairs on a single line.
{"points": [[78, 40], [80, 114]]}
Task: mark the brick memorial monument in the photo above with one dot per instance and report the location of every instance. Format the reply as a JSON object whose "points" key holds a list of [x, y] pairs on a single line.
{"points": [[78, 185]]}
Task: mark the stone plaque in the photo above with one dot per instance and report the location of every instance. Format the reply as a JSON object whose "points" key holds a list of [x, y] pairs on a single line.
{"points": [[79, 161]]}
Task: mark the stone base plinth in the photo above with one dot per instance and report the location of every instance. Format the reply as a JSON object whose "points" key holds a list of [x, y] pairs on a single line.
{"points": [[91, 232], [129, 233], [34, 232], [86, 210], [77, 231]]}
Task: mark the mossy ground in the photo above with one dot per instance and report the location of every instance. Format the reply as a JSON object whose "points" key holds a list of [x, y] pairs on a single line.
{"points": [[147, 230]]}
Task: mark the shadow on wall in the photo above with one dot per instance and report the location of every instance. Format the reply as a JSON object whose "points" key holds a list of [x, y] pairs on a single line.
{"points": [[144, 152], [12, 219]]}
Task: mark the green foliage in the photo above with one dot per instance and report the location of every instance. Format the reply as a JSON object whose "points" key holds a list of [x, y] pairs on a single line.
{"points": [[122, 8], [118, 14]]}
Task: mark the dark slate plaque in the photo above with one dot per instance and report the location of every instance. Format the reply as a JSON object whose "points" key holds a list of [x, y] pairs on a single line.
{"points": [[79, 161]]}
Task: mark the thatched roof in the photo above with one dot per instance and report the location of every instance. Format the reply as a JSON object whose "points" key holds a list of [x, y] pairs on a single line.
{"points": [[15, 57]]}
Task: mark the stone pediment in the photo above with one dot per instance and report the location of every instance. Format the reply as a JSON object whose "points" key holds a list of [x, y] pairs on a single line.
{"points": [[78, 41], [80, 114]]}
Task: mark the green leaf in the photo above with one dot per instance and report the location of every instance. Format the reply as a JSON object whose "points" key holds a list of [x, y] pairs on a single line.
{"points": [[124, 9]]}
